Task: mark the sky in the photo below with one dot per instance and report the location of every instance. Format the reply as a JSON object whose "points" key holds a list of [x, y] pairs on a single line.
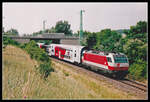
{"points": [[28, 17]]}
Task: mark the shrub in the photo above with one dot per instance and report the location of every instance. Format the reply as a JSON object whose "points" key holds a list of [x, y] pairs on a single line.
{"points": [[23, 45], [45, 69], [41, 56], [7, 40], [138, 70]]}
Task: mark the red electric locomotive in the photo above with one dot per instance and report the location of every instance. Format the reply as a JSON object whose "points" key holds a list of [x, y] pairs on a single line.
{"points": [[113, 63]]}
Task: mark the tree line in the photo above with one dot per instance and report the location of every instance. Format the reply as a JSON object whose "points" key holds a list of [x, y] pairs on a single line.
{"points": [[132, 42], [60, 27]]}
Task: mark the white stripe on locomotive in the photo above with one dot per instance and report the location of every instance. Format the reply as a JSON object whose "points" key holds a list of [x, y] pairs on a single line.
{"points": [[95, 64]]}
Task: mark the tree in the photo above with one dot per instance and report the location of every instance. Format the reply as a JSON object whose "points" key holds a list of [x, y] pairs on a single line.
{"points": [[37, 33], [12, 32], [135, 50], [138, 70], [139, 31], [135, 47], [60, 27], [63, 27], [136, 44], [91, 40], [52, 30], [107, 40], [7, 40]]}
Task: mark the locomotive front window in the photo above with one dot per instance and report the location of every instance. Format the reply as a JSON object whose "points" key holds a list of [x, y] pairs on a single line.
{"points": [[109, 59], [120, 59]]}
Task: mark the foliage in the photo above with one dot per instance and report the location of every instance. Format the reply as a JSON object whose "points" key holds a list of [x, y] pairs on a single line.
{"points": [[134, 45], [91, 40], [138, 70], [85, 36], [23, 45], [51, 30], [7, 40], [121, 31], [63, 27], [135, 49], [12, 32], [25, 35], [41, 56], [60, 27], [35, 52], [107, 40], [45, 69], [139, 31], [37, 33]]}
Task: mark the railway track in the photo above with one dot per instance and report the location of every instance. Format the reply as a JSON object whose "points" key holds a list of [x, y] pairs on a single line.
{"points": [[129, 86], [140, 86]]}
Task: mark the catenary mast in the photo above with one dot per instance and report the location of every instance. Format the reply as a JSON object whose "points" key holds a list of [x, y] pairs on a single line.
{"points": [[81, 26]]}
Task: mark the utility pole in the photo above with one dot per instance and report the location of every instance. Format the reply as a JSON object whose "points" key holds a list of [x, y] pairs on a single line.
{"points": [[44, 26], [81, 27]]}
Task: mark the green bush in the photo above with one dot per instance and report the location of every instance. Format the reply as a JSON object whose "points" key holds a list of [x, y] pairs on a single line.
{"points": [[45, 69], [41, 56], [138, 70], [23, 45], [7, 40]]}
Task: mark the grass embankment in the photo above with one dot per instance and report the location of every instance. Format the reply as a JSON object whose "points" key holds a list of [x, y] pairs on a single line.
{"points": [[21, 80]]}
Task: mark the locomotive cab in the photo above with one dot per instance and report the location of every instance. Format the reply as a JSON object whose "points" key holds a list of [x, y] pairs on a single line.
{"points": [[118, 64]]}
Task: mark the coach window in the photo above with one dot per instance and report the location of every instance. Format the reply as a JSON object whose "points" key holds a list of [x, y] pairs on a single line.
{"points": [[109, 59], [74, 55]]}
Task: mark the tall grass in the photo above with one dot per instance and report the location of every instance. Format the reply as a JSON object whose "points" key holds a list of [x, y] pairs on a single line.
{"points": [[21, 80], [35, 53]]}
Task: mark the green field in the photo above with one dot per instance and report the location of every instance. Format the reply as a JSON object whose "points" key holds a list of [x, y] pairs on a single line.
{"points": [[21, 80]]}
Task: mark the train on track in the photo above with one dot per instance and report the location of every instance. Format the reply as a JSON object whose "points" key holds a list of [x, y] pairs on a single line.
{"points": [[112, 63]]}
